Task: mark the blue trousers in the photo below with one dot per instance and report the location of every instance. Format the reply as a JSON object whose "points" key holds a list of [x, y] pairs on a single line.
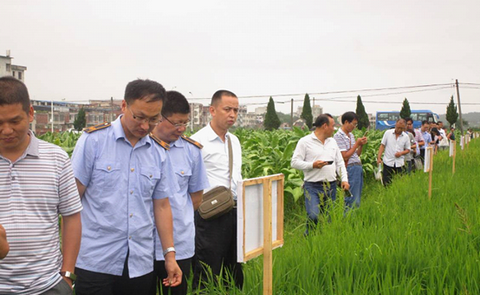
{"points": [[355, 179], [317, 195]]}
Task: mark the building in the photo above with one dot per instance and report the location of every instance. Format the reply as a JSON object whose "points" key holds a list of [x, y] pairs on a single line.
{"points": [[9, 69]]}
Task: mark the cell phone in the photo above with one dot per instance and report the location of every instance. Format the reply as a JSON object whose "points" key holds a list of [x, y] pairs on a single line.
{"points": [[329, 162], [348, 194]]}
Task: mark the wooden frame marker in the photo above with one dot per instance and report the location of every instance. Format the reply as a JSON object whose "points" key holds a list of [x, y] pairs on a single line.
{"points": [[260, 202]]}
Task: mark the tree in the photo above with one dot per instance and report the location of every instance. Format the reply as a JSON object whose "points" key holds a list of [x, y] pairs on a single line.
{"points": [[271, 122], [80, 121], [405, 112], [362, 115], [452, 114], [307, 111]]}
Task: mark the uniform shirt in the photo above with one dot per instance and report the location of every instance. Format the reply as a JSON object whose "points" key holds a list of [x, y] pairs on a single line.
{"points": [[215, 156], [191, 176], [427, 138], [393, 145], [345, 143], [34, 190], [310, 149], [120, 181]]}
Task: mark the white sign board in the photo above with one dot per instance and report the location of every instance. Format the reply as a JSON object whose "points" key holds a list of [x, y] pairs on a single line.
{"points": [[461, 141], [250, 195], [452, 146]]}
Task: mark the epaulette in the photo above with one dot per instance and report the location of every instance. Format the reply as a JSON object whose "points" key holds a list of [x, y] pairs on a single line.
{"points": [[97, 127], [160, 142], [195, 143]]}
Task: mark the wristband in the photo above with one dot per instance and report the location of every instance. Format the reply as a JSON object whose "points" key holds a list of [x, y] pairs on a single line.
{"points": [[168, 250], [69, 275]]}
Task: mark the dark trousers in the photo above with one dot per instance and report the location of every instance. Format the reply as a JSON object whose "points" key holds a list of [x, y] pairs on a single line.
{"points": [[95, 283], [422, 155], [185, 265], [388, 173], [216, 249]]}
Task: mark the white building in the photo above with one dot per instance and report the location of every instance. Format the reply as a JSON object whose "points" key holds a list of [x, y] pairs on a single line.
{"points": [[9, 69]]}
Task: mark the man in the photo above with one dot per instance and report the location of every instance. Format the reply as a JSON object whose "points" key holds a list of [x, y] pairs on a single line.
{"points": [[4, 247], [318, 155], [216, 240], [351, 151], [414, 135], [36, 185], [119, 170], [418, 134], [396, 144], [186, 158], [443, 144], [427, 138]]}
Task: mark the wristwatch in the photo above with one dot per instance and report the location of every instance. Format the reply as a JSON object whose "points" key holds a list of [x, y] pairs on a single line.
{"points": [[69, 275], [168, 250]]}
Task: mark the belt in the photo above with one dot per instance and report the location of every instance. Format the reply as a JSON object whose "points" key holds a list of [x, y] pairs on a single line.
{"points": [[354, 164], [321, 182]]}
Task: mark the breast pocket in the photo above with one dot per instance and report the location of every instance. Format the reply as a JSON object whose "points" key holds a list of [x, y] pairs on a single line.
{"points": [[107, 173], [149, 176], [183, 176]]}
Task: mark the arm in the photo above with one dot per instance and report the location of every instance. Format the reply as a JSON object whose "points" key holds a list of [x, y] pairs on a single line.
{"points": [[356, 148], [4, 247], [164, 224], [298, 158], [380, 153], [81, 188], [196, 199], [71, 235]]}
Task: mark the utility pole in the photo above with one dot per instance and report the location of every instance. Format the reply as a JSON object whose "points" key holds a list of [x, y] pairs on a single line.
{"points": [[111, 108], [459, 107], [291, 113]]}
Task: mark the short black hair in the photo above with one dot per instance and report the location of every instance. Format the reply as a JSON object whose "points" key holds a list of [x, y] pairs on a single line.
{"points": [[175, 103], [349, 117], [13, 91], [322, 119], [144, 89], [408, 119], [424, 122], [217, 96], [439, 122]]}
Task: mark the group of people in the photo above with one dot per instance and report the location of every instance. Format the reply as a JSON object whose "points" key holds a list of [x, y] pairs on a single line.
{"points": [[324, 157], [127, 198]]}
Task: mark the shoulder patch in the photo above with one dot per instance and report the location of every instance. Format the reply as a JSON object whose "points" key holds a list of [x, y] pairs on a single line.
{"points": [[195, 143], [97, 127], [160, 142]]}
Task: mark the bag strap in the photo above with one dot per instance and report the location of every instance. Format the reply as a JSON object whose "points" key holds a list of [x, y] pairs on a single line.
{"points": [[230, 162]]}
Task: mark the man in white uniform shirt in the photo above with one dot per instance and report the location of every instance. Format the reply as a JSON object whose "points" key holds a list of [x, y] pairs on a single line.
{"points": [[318, 155], [216, 240], [396, 144]]}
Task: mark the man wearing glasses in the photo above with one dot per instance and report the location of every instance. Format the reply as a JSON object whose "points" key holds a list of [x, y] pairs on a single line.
{"points": [[186, 157], [351, 150], [122, 178]]}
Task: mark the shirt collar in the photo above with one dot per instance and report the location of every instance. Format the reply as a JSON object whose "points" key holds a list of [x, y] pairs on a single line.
{"points": [[212, 135], [340, 130], [32, 148], [316, 138], [118, 132], [178, 143]]}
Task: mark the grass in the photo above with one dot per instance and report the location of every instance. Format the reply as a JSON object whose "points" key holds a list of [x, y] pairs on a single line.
{"points": [[398, 242]]}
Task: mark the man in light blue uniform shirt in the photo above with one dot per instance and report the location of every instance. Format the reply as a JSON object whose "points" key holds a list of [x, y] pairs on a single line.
{"points": [[186, 158], [119, 170]]}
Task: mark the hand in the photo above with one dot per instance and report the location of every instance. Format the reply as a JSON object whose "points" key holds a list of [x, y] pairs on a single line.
{"points": [[4, 247], [319, 164], [398, 154], [362, 141], [379, 160], [345, 185], [69, 282], [173, 270]]}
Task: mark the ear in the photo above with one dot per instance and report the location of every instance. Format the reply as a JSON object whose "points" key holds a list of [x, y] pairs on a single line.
{"points": [[31, 114], [124, 106], [212, 110]]}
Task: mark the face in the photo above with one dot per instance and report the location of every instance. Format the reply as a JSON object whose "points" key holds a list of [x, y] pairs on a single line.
{"points": [[410, 125], [440, 125], [349, 126], [14, 126], [330, 127], [140, 117], [172, 127], [225, 112], [425, 127], [400, 127]]}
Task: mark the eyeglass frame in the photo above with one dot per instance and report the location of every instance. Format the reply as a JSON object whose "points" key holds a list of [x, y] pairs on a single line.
{"points": [[141, 120], [177, 125]]}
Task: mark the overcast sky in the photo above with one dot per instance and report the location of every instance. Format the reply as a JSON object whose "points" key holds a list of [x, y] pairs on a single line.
{"points": [[91, 49]]}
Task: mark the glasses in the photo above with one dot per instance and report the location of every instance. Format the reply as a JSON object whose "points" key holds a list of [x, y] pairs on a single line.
{"points": [[141, 120], [177, 125]]}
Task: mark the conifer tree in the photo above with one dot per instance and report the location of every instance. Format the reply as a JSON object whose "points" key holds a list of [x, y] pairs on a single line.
{"points": [[307, 111], [362, 115], [271, 122], [405, 112], [80, 121], [452, 115]]}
